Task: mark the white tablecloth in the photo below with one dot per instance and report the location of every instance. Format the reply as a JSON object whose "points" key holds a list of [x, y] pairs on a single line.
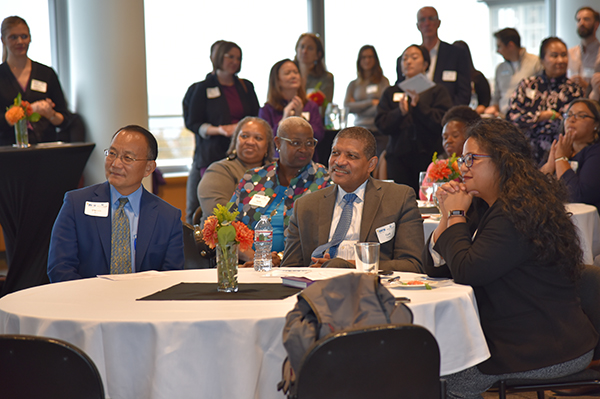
{"points": [[204, 349], [585, 218]]}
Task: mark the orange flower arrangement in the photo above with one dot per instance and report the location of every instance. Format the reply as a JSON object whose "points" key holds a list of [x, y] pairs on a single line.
{"points": [[21, 110], [222, 228], [443, 170]]}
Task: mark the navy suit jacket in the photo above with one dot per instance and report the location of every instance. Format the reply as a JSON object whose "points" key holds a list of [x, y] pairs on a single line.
{"points": [[450, 58], [80, 243]]}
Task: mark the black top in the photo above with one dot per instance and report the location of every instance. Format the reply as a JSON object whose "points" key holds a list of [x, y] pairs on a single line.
{"points": [[420, 130], [43, 130], [529, 311], [207, 105]]}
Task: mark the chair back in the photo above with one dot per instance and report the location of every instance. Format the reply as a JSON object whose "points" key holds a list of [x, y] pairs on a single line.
{"points": [[38, 367], [588, 289], [197, 255], [387, 361]]}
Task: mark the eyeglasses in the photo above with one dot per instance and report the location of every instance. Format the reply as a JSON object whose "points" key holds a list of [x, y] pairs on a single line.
{"points": [[126, 159], [467, 159], [579, 116], [297, 143]]}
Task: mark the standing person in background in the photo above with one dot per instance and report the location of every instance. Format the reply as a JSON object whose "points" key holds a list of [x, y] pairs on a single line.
{"points": [[286, 97], [537, 105], [363, 93], [448, 66], [216, 106], [310, 58], [583, 57], [37, 84], [518, 64], [413, 121], [480, 88]]}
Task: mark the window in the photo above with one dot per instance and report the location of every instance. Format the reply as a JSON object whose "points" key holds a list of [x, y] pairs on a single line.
{"points": [[178, 40], [391, 27], [35, 12], [529, 19]]}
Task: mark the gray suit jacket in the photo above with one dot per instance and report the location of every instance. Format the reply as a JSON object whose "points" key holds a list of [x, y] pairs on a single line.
{"points": [[384, 203]]}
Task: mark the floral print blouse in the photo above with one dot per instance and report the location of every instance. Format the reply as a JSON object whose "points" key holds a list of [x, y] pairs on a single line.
{"points": [[265, 180], [533, 96]]}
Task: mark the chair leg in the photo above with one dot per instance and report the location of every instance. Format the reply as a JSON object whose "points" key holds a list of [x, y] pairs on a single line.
{"points": [[443, 389], [540, 395], [502, 390]]}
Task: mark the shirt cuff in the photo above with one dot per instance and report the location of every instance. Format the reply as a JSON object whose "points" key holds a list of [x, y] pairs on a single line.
{"points": [[437, 258], [203, 131]]}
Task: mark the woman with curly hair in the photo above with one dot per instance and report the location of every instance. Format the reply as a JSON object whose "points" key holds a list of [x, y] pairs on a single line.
{"points": [[522, 258]]}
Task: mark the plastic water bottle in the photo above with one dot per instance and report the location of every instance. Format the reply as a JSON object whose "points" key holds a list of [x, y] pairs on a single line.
{"points": [[263, 242]]}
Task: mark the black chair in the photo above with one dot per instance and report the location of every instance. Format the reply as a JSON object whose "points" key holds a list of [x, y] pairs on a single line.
{"points": [[197, 255], [38, 367], [388, 361], [588, 289]]}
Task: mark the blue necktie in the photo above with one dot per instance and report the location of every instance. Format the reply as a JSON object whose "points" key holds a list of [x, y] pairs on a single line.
{"points": [[340, 230], [120, 247]]}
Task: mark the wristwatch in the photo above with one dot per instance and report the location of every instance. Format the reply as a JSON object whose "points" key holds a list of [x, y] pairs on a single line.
{"points": [[457, 213]]}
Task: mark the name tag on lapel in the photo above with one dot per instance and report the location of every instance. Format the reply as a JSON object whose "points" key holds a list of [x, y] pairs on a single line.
{"points": [[38, 85], [386, 233], [213, 92], [449, 76], [97, 209]]}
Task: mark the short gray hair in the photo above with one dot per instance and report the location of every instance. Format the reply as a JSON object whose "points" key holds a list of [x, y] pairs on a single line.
{"points": [[292, 123]]}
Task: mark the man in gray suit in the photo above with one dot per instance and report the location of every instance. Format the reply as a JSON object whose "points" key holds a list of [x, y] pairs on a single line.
{"points": [[357, 208]]}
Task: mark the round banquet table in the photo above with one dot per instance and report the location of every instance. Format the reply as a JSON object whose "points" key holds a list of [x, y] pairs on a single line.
{"points": [[585, 218], [207, 348], [33, 183]]}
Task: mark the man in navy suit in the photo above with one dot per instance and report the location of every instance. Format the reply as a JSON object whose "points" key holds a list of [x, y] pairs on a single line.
{"points": [[82, 236], [449, 66]]}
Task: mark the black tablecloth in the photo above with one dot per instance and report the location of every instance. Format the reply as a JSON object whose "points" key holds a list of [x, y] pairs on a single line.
{"points": [[208, 291], [33, 182]]}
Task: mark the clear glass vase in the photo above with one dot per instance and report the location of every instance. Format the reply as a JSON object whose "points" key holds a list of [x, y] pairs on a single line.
{"points": [[21, 136], [227, 267]]}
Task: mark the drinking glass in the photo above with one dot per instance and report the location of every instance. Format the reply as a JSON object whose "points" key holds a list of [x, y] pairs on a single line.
{"points": [[367, 257], [436, 187], [426, 187]]}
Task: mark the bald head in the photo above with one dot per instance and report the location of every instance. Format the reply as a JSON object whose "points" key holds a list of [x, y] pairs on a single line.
{"points": [[428, 23]]}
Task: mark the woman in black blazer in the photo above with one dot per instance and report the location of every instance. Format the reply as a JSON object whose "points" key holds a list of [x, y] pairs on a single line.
{"points": [[215, 107], [505, 232]]}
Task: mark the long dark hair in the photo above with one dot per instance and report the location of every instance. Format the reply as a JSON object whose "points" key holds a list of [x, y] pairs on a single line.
{"points": [[274, 96], [531, 200], [377, 72], [319, 68]]}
